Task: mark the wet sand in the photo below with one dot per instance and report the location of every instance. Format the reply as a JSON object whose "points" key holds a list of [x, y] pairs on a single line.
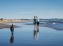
{"points": [[2, 25]]}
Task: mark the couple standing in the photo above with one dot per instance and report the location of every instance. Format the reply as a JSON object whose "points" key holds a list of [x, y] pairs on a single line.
{"points": [[36, 21]]}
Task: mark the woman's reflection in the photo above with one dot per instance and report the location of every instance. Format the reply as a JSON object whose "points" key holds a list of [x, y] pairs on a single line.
{"points": [[36, 33]]}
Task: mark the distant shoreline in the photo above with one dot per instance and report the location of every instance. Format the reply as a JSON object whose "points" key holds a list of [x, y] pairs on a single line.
{"points": [[28, 20]]}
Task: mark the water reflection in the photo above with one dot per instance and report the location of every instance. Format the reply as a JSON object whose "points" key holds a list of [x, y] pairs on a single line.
{"points": [[12, 37], [36, 33]]}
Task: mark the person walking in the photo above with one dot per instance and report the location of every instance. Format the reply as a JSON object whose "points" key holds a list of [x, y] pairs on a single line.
{"points": [[12, 28], [37, 21]]}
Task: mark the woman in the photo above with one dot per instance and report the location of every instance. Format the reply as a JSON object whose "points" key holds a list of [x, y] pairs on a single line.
{"points": [[37, 21]]}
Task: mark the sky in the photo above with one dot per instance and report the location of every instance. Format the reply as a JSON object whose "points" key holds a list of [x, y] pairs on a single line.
{"points": [[23, 9]]}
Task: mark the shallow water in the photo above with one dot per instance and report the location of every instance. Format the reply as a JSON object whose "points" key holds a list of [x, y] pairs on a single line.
{"points": [[48, 34]]}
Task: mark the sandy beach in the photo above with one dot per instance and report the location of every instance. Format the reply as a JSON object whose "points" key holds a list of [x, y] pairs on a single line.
{"points": [[2, 25]]}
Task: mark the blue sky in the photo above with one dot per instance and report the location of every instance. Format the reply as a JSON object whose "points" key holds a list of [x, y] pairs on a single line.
{"points": [[29, 8]]}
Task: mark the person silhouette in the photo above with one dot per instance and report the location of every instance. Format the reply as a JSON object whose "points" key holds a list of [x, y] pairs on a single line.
{"points": [[12, 37], [12, 28]]}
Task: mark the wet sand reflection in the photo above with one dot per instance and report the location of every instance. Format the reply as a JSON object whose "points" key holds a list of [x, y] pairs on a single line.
{"points": [[36, 32], [12, 38]]}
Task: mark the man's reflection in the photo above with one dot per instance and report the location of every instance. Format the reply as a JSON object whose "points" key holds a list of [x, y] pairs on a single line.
{"points": [[12, 37], [36, 33]]}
